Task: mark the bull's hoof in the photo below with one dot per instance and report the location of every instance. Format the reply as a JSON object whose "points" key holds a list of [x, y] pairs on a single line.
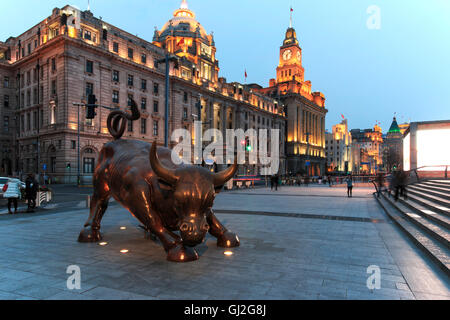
{"points": [[228, 240], [89, 235], [181, 253]]}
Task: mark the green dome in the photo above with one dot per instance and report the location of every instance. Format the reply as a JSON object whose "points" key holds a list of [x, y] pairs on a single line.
{"points": [[394, 127]]}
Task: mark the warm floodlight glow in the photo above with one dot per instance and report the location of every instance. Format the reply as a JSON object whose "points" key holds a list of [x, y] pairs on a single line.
{"points": [[407, 152], [123, 228], [124, 251], [228, 253], [432, 149], [103, 243]]}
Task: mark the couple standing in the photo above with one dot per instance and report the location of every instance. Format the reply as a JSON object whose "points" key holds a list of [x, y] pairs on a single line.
{"points": [[12, 192]]}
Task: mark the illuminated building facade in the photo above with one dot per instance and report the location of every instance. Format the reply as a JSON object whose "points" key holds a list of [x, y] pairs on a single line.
{"points": [[305, 147], [338, 149], [369, 144], [72, 54]]}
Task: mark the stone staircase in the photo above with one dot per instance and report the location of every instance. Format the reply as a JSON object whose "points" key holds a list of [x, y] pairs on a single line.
{"points": [[425, 218]]}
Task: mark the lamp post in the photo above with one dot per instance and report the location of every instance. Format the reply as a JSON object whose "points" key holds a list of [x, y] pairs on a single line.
{"points": [[38, 67], [167, 59]]}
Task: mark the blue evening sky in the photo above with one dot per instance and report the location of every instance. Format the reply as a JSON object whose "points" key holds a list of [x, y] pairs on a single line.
{"points": [[366, 75]]}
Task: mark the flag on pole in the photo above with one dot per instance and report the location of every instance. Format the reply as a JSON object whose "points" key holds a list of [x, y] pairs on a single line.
{"points": [[245, 73], [292, 10], [342, 116]]}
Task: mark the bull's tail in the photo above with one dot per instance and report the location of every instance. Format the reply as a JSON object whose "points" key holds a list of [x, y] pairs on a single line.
{"points": [[117, 120]]}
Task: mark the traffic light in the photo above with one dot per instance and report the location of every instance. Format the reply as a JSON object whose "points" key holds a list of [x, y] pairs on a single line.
{"points": [[248, 147], [91, 105], [68, 165]]}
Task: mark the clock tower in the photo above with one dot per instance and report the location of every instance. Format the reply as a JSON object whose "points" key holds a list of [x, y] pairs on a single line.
{"points": [[290, 65]]}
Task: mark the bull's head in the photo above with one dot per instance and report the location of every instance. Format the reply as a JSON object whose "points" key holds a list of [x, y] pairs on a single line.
{"points": [[194, 189]]}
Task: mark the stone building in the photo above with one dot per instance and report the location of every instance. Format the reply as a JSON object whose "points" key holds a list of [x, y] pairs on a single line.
{"points": [[338, 145], [393, 147], [369, 144], [71, 54], [305, 130]]}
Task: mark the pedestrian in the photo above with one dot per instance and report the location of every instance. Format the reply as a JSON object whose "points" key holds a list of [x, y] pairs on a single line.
{"points": [[276, 180], [379, 180], [402, 181], [307, 181], [329, 180], [31, 189], [12, 192], [271, 182], [349, 181]]}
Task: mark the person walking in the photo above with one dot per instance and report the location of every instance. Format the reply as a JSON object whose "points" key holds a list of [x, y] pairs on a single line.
{"points": [[12, 192], [402, 181], [349, 181], [329, 181], [379, 180], [31, 189]]}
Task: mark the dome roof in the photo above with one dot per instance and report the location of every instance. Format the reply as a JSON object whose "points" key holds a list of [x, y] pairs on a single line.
{"points": [[183, 21]]}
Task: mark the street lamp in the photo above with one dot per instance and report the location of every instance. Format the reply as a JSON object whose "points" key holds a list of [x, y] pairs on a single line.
{"points": [[166, 60]]}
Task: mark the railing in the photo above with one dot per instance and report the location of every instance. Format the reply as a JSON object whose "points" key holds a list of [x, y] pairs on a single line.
{"points": [[429, 172]]}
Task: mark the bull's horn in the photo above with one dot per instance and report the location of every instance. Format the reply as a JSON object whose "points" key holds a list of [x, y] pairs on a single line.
{"points": [[220, 178], [166, 174]]}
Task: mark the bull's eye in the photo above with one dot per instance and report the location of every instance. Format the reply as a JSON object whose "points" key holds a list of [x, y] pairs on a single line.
{"points": [[184, 227]]}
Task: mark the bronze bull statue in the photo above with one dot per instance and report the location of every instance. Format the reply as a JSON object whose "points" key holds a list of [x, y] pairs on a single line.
{"points": [[163, 196]]}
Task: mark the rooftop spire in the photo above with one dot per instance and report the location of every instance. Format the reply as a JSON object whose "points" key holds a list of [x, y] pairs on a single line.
{"points": [[184, 5], [290, 20]]}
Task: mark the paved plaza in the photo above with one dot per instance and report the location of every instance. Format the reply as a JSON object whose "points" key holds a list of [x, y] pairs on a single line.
{"points": [[296, 243]]}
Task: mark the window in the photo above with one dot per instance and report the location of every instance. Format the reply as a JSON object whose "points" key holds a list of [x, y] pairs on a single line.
{"points": [[185, 97], [53, 164], [144, 84], [6, 124], [87, 35], [89, 88], [29, 48], [130, 98], [28, 97], [130, 126], [6, 101], [116, 47], [73, 144], [155, 106], [35, 96], [144, 58], [115, 96], [89, 66], [144, 103], [54, 87], [185, 113], [28, 78], [53, 64], [143, 126], [41, 118], [6, 82], [28, 121], [115, 76], [130, 80], [155, 127], [35, 120], [130, 53], [156, 89], [88, 165]]}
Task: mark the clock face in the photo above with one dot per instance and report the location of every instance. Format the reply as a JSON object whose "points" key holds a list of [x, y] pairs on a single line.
{"points": [[299, 56], [287, 55]]}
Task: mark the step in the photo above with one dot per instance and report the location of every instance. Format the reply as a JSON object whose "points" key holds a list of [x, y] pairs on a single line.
{"points": [[423, 211], [433, 248], [445, 183], [437, 200], [425, 189], [433, 187], [435, 230], [429, 204]]}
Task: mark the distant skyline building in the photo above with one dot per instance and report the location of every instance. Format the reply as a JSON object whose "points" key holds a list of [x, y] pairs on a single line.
{"points": [[369, 144], [338, 149]]}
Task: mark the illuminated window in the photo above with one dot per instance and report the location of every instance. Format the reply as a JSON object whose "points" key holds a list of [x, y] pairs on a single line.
{"points": [[144, 103]]}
